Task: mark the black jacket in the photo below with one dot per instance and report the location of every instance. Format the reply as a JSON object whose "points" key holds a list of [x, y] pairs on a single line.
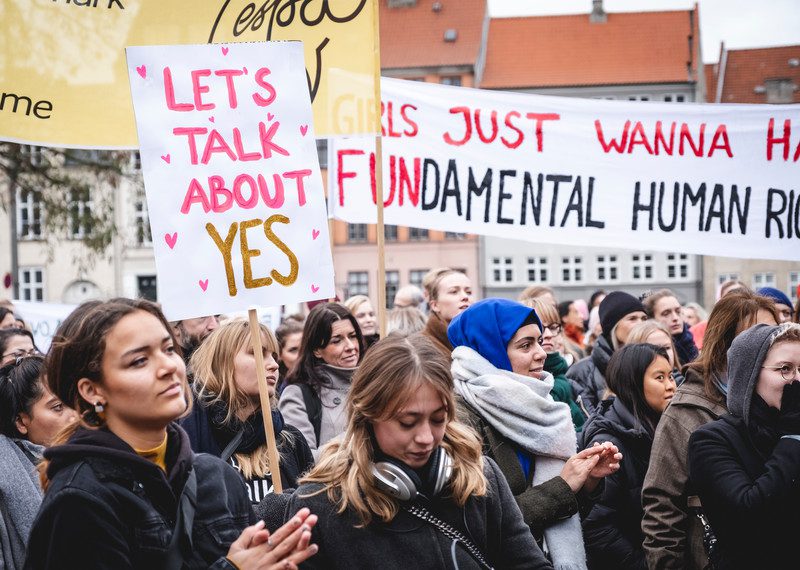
{"points": [[493, 522], [588, 375], [752, 501], [107, 507], [612, 529]]}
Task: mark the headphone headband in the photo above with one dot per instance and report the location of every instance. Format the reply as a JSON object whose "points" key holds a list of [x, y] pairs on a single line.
{"points": [[401, 482]]}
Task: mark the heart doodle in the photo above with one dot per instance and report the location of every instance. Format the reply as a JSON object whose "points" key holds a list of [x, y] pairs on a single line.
{"points": [[270, 116], [224, 51], [171, 239], [314, 234], [203, 284], [314, 288], [303, 129], [211, 118], [142, 71], [165, 158]]}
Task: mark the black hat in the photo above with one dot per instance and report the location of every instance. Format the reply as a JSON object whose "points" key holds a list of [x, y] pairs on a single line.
{"points": [[614, 307]]}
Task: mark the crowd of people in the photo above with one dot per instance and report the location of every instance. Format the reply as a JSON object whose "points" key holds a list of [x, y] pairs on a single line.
{"points": [[625, 431]]}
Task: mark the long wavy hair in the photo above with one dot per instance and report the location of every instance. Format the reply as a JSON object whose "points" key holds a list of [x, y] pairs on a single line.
{"points": [[215, 382], [391, 373]]}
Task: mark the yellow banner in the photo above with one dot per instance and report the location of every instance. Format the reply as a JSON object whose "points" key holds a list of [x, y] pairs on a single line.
{"points": [[63, 75]]}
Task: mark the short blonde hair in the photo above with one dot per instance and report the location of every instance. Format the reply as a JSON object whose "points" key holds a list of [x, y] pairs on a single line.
{"points": [[641, 331], [352, 303], [547, 311]]}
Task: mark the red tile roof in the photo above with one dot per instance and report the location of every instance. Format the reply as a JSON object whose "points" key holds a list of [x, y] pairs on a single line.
{"points": [[414, 36], [747, 68], [629, 48], [710, 70]]}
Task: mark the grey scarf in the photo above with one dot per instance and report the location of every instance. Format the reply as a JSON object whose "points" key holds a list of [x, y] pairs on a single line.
{"points": [[521, 409]]}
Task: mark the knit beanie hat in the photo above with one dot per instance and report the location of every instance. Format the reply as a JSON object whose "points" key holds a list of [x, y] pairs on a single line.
{"points": [[776, 295], [614, 307], [488, 326], [746, 355]]}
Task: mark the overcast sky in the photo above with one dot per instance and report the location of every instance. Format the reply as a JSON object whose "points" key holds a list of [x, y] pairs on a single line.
{"points": [[739, 23]]}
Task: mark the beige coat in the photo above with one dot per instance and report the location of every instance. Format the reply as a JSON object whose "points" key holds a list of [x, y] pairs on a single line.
{"points": [[673, 535]]}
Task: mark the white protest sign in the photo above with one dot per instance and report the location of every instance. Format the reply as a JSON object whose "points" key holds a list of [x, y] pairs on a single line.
{"points": [[43, 318], [704, 179], [232, 177]]}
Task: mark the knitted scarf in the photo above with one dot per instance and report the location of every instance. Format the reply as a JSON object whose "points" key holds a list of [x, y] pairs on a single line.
{"points": [[521, 409], [253, 437]]}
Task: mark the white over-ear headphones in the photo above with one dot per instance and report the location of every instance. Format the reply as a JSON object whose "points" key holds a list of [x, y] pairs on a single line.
{"points": [[402, 483]]}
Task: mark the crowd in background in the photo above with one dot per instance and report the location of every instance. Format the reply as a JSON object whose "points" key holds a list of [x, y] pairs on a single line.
{"points": [[621, 431]]}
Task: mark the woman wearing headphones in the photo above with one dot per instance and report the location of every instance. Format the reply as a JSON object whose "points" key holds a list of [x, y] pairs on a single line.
{"points": [[407, 481]]}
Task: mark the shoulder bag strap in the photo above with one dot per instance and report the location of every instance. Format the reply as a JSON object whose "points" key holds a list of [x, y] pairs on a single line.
{"points": [[232, 445], [184, 522], [448, 531], [313, 405]]}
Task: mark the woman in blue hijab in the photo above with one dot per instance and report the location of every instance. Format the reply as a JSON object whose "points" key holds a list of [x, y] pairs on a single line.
{"points": [[504, 393]]}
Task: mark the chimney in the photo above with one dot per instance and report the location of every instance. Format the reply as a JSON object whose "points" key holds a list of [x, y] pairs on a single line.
{"points": [[598, 15]]}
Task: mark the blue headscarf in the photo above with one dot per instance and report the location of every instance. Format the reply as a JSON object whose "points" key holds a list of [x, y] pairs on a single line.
{"points": [[487, 327]]}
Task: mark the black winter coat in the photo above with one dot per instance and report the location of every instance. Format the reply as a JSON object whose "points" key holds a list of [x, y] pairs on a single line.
{"points": [[493, 522], [588, 375], [752, 501], [612, 529], [107, 507]]}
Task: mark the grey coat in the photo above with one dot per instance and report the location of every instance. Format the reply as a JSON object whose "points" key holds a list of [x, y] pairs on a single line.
{"points": [[334, 416], [20, 497]]}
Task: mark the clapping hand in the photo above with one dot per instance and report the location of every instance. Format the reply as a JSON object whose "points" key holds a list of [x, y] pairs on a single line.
{"points": [[285, 549]]}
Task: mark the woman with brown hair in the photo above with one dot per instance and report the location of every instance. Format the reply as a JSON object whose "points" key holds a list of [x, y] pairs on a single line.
{"points": [[407, 483], [123, 487], [673, 533], [448, 293]]}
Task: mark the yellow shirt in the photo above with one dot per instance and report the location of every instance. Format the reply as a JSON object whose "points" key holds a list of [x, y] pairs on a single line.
{"points": [[157, 455]]}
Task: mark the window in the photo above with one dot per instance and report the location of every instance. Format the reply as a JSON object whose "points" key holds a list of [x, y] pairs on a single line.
{"points": [[32, 153], [454, 235], [80, 207], [142, 224], [392, 285], [357, 283], [390, 232], [31, 283], [572, 269], [146, 287], [415, 276], [607, 268], [639, 98], [642, 266], [80, 157], [764, 279], [675, 98], [502, 270], [794, 281], [537, 269], [451, 80], [677, 266], [136, 161], [29, 214], [417, 234], [357, 233], [723, 277]]}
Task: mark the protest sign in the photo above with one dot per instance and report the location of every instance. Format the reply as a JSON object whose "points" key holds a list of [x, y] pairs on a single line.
{"points": [[231, 174], [65, 84], [704, 179], [43, 318]]}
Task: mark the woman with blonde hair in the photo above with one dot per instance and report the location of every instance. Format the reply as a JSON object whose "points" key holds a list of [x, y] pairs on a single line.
{"points": [[448, 293], [408, 478], [361, 308], [123, 487], [654, 332], [227, 419]]}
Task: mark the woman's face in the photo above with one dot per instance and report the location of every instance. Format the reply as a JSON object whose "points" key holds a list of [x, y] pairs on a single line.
{"points": [[48, 416], [416, 430], [662, 339], [365, 316], [669, 312], [454, 295], [8, 322], [573, 317], [770, 382], [659, 387], [244, 370], [343, 349], [785, 312], [17, 346], [144, 379], [550, 337], [525, 353], [291, 349], [626, 323], [690, 316]]}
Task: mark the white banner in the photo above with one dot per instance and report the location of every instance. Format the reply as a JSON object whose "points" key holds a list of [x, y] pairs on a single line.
{"points": [[704, 179], [43, 318], [230, 166]]}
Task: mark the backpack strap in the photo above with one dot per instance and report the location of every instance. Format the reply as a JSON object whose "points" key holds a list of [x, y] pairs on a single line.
{"points": [[313, 405], [184, 522]]}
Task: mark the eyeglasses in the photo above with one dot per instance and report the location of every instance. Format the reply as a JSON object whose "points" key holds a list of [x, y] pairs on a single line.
{"points": [[19, 353], [554, 329], [788, 371]]}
